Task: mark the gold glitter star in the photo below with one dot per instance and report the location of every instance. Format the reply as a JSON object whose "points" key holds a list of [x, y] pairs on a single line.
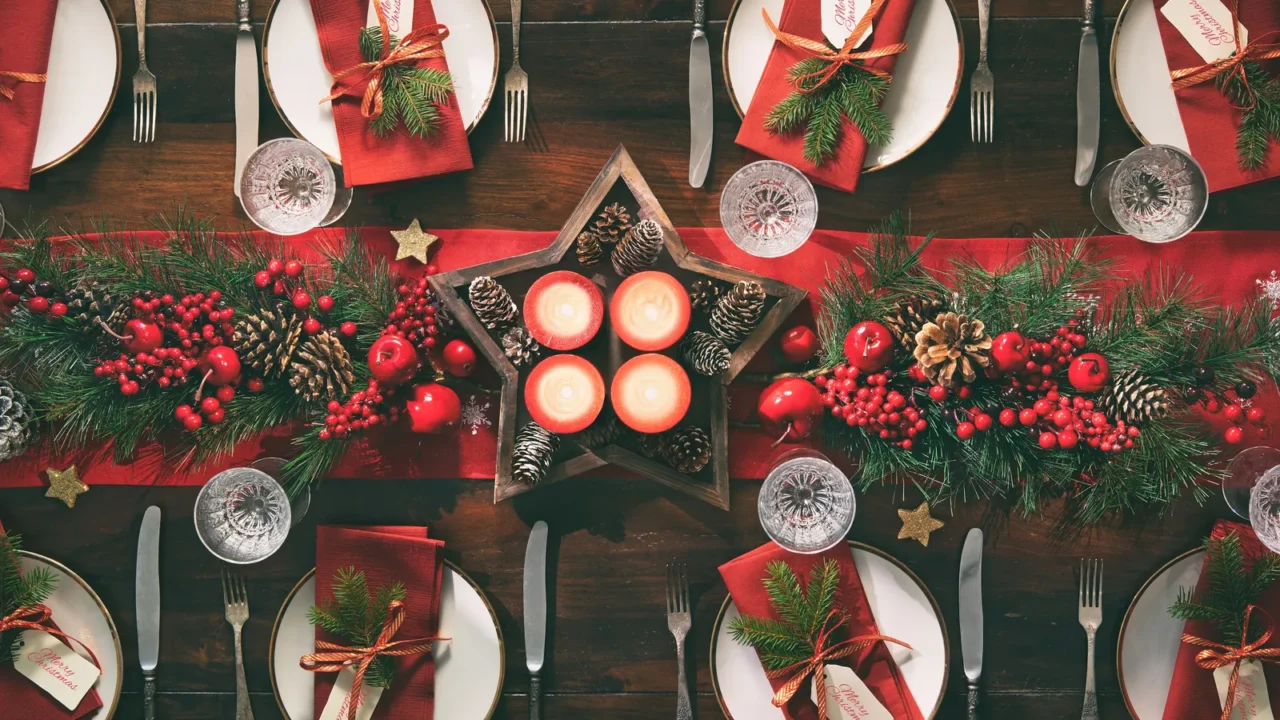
{"points": [[414, 242], [917, 524], [65, 485]]}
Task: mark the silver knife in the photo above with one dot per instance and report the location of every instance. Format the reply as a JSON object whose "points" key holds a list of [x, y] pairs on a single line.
{"points": [[147, 607], [1087, 97], [971, 614], [246, 92], [701, 115], [535, 613]]}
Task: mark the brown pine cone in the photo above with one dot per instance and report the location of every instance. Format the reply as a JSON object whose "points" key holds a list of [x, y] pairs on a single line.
{"points": [[1133, 398], [588, 248], [688, 449], [93, 304], [738, 312], [603, 431], [703, 294], [639, 249], [704, 353], [492, 303], [520, 347], [267, 340], [652, 445], [909, 316], [322, 369], [532, 454], [613, 223], [952, 348]]}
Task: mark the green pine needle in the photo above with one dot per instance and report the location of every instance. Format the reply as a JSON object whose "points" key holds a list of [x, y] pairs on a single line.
{"points": [[357, 615], [18, 589], [411, 97], [854, 94], [1260, 124], [803, 611], [1233, 585]]}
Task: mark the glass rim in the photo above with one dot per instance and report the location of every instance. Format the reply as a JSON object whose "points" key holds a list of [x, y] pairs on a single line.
{"points": [[203, 497], [772, 477]]}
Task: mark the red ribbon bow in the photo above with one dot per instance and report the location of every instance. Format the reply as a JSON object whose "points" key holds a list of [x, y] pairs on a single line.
{"points": [[8, 91], [836, 59], [1232, 66], [1217, 655], [35, 617]]}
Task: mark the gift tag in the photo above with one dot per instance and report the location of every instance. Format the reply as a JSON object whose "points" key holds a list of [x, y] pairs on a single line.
{"points": [[840, 17], [848, 698], [399, 15], [57, 669], [1207, 25], [1252, 700], [337, 705]]}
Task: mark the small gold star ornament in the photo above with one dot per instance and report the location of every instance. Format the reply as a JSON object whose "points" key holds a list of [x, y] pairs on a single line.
{"points": [[414, 242], [65, 485], [917, 524]]}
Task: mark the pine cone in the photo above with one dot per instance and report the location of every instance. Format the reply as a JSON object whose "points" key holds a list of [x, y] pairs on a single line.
{"points": [[588, 248], [267, 340], [909, 316], [738, 312], [688, 449], [1133, 398], [653, 445], [639, 249], [17, 422], [531, 458], [520, 346], [91, 303], [703, 294], [603, 431], [704, 353], [322, 369], [492, 303], [950, 349], [613, 223]]}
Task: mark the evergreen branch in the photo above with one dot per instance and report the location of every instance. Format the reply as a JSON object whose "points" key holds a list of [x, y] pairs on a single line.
{"points": [[411, 96], [357, 616], [803, 611], [786, 595], [1260, 122], [314, 460], [1233, 583], [824, 129], [791, 112], [18, 589], [860, 95], [854, 93]]}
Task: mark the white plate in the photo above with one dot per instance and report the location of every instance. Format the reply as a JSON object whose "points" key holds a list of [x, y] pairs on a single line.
{"points": [[84, 70], [926, 78], [79, 612], [469, 666], [903, 609], [1149, 637], [1140, 77], [297, 78]]}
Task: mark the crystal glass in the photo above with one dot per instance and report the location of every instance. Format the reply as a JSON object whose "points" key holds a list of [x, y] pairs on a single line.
{"points": [[806, 504], [341, 199], [288, 186], [274, 467], [1243, 473], [768, 208], [242, 515], [1, 221], [1157, 193], [1264, 508]]}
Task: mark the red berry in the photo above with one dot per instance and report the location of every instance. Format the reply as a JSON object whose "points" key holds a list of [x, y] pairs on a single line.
{"points": [[278, 288], [1213, 406], [432, 270], [963, 392], [183, 412], [26, 275], [1067, 439], [1255, 414], [325, 303], [275, 268], [1048, 440], [1008, 417], [312, 326], [1043, 407], [255, 384], [937, 393], [325, 434], [216, 416], [209, 404], [301, 300], [1233, 435], [193, 422], [38, 304], [58, 309], [225, 393], [293, 269], [982, 422], [262, 279], [1232, 412], [348, 329], [1028, 417], [965, 430], [1062, 418]]}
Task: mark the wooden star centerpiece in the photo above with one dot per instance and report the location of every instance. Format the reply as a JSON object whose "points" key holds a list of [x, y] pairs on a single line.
{"points": [[619, 185], [65, 485], [918, 524], [414, 242]]}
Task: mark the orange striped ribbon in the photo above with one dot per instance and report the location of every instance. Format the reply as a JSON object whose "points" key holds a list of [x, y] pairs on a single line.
{"points": [[1216, 655], [7, 91], [36, 618], [420, 44], [837, 59], [339, 657], [1232, 66]]}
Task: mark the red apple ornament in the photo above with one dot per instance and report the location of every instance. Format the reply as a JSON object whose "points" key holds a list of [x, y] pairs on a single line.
{"points": [[789, 409], [434, 409], [564, 393], [869, 346], [220, 366], [459, 358], [141, 336], [799, 344], [563, 310], [650, 311], [1009, 351], [1089, 372], [650, 393], [393, 360]]}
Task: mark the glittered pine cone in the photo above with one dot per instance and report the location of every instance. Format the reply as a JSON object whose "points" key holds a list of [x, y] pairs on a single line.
{"points": [[267, 340], [588, 248], [704, 353], [519, 346], [703, 294], [952, 348], [638, 250], [909, 316], [612, 223], [688, 449], [321, 369], [737, 312], [17, 422], [492, 303], [1133, 398], [531, 457]]}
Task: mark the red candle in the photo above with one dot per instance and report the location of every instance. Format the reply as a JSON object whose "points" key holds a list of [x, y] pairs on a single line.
{"points": [[650, 311], [564, 394], [650, 393], [563, 310]]}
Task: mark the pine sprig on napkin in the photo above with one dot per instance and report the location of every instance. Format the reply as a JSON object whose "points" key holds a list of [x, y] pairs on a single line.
{"points": [[854, 94], [357, 615], [18, 590], [410, 96], [803, 611], [1260, 124], [1232, 588]]}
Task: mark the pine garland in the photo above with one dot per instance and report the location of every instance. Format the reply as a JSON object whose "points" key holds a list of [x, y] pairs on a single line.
{"points": [[411, 96], [854, 94], [1234, 584], [804, 613], [19, 590], [1260, 123], [356, 615]]}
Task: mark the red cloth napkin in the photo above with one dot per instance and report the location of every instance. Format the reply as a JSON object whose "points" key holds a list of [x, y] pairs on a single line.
{"points": [[26, 32], [1207, 115], [804, 18], [874, 665], [1192, 693], [366, 158], [388, 554]]}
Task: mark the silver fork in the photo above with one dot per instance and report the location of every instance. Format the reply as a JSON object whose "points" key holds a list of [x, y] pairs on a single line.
{"points": [[144, 84], [1090, 619], [235, 595], [982, 84], [678, 622], [517, 85]]}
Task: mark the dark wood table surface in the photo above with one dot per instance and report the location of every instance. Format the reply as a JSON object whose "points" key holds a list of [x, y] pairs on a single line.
{"points": [[610, 654]]}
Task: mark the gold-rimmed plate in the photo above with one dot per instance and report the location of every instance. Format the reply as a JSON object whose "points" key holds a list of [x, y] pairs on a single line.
{"points": [[1140, 77], [903, 607], [84, 72], [926, 78], [469, 667], [1150, 638], [80, 613], [297, 78]]}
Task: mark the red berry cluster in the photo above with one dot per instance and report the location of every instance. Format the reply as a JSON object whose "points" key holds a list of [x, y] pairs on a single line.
{"points": [[868, 403], [284, 279], [1057, 421], [165, 367], [39, 295], [192, 321], [362, 410], [208, 409], [1046, 358], [417, 314], [1238, 415]]}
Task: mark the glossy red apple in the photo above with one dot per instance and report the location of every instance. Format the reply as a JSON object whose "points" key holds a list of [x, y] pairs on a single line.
{"points": [[434, 409], [563, 310], [564, 393], [141, 336], [650, 311], [869, 346], [799, 344], [220, 365], [393, 360], [789, 409], [459, 358], [650, 393], [1089, 372], [1009, 351]]}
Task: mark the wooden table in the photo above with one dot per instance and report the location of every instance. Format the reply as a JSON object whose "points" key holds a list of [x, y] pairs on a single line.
{"points": [[610, 655]]}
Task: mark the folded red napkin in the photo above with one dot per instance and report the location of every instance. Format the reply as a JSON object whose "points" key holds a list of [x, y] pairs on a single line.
{"points": [[388, 554], [366, 158], [1207, 115], [1192, 693], [804, 18], [26, 32], [874, 664]]}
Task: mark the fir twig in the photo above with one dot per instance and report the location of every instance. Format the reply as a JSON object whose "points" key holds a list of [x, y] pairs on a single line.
{"points": [[411, 97], [854, 94], [804, 612], [1234, 583], [18, 589], [357, 615], [1260, 122]]}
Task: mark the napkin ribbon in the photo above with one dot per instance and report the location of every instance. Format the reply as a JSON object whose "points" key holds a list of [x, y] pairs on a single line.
{"points": [[1216, 655], [341, 657], [836, 59], [7, 90], [36, 618], [1232, 66], [822, 654], [420, 44]]}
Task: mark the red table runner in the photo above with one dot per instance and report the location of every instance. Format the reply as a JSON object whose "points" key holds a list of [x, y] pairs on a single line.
{"points": [[1230, 266]]}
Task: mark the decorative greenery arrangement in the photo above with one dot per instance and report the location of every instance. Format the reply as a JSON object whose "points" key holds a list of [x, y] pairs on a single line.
{"points": [[411, 96], [357, 615], [1234, 585], [18, 590], [853, 93], [805, 613], [1254, 90]]}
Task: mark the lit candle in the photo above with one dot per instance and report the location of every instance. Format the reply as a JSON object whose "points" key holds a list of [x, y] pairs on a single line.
{"points": [[564, 394], [650, 393], [563, 310], [650, 311]]}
